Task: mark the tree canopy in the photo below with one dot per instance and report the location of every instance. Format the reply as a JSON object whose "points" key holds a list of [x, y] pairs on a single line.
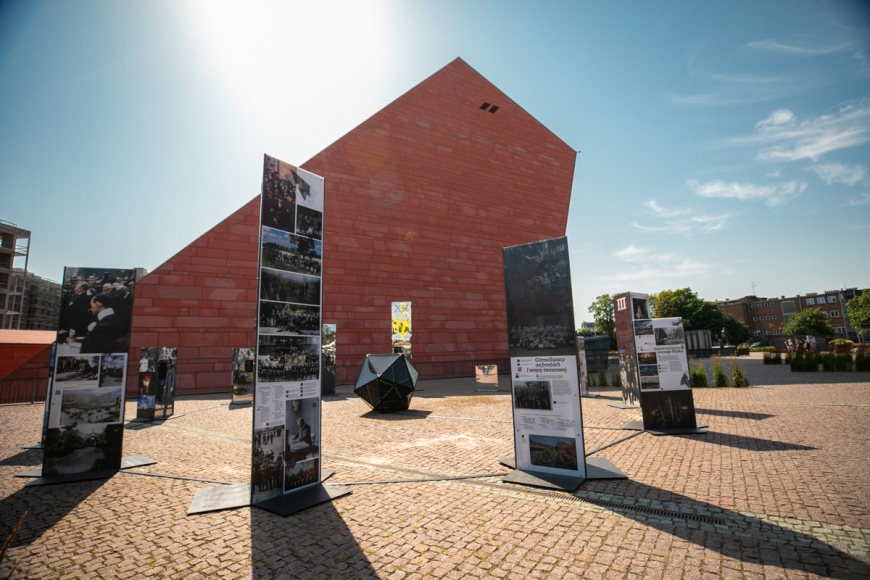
{"points": [[810, 322], [697, 313], [858, 309], [602, 311]]}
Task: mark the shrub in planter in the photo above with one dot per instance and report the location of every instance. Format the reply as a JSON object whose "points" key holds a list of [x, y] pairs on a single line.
{"points": [[697, 375], [844, 362], [602, 378], [616, 379], [772, 358], [720, 379], [841, 346], [862, 360], [829, 362], [737, 376]]}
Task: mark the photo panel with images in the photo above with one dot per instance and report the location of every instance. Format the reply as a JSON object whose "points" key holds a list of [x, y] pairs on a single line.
{"points": [[309, 223], [533, 395], [267, 467], [554, 452], [291, 253], [280, 286], [112, 369], [279, 195], [289, 319], [86, 405], [77, 371], [538, 281], [309, 190]]}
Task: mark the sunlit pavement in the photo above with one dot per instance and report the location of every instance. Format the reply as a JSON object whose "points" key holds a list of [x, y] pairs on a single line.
{"points": [[780, 487]]}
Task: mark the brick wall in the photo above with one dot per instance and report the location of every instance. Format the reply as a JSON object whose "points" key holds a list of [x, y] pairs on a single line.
{"points": [[420, 200]]}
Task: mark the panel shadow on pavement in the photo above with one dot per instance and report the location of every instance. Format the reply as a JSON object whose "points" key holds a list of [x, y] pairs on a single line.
{"points": [[732, 534], [750, 443], [28, 457], [45, 505], [314, 543], [410, 414], [734, 414]]}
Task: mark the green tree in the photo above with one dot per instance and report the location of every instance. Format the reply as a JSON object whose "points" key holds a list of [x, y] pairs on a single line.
{"points": [[810, 321], [697, 314], [602, 311], [858, 309]]}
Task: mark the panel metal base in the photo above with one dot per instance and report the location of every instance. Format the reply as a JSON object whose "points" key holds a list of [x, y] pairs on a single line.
{"points": [[126, 463], [230, 497], [291, 503], [241, 403], [223, 497], [601, 468], [70, 477], [589, 395], [638, 426], [486, 391], [37, 446], [545, 480], [623, 406], [596, 468], [164, 418]]}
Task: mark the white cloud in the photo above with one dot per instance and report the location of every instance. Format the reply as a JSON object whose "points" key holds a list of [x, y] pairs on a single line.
{"points": [[680, 220], [837, 172], [631, 254], [666, 268], [864, 199], [782, 137], [773, 194], [773, 46]]}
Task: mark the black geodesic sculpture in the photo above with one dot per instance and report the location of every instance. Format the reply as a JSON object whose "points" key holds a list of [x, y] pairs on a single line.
{"points": [[386, 382]]}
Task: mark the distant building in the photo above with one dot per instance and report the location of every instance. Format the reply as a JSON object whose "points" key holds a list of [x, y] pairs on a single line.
{"points": [[766, 316], [40, 309], [14, 248]]}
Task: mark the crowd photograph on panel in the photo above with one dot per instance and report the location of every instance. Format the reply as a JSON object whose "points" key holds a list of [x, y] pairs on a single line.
{"points": [[267, 473], [292, 253], [278, 364], [283, 318], [309, 222], [535, 395], [96, 311], [289, 287]]}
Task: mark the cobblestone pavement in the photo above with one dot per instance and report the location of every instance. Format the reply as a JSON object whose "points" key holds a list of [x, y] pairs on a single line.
{"points": [[779, 488]]}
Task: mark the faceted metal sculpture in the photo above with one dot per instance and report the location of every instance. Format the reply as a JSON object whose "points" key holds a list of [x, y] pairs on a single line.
{"points": [[386, 382]]}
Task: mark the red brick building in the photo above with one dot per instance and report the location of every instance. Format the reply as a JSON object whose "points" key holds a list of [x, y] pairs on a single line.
{"points": [[420, 200], [766, 316]]}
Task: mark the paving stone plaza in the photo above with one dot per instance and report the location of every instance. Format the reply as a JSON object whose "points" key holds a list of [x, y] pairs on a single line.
{"points": [[779, 488]]}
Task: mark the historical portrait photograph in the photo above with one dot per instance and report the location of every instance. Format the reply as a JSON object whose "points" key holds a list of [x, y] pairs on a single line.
{"points": [[303, 473], [96, 311], [289, 287], [557, 452], [291, 253], [285, 318], [542, 333], [267, 467], [302, 424], [535, 395], [639, 309]]}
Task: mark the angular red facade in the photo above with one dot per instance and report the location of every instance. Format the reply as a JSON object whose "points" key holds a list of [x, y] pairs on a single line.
{"points": [[420, 200]]}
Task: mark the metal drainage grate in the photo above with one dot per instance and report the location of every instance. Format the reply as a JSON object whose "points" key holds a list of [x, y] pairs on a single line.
{"points": [[605, 504]]}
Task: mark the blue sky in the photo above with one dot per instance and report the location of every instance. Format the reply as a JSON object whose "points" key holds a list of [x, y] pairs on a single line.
{"points": [[723, 143]]}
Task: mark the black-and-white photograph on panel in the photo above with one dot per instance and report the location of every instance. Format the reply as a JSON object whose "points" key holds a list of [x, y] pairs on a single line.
{"points": [[548, 423], [287, 377]]}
